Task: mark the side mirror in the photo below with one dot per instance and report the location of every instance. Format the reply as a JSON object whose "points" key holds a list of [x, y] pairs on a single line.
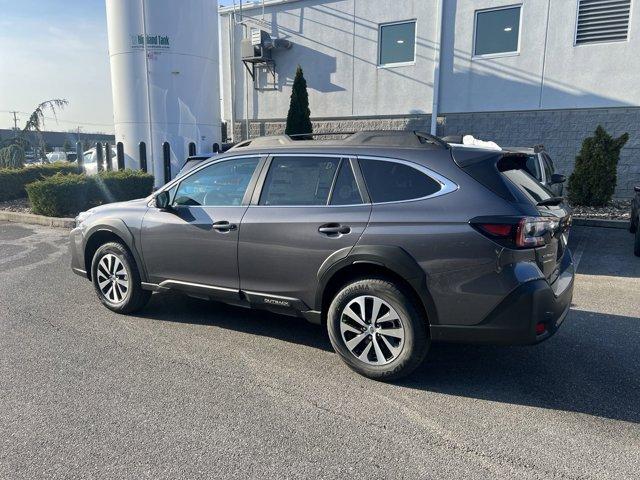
{"points": [[162, 200], [558, 178], [636, 189]]}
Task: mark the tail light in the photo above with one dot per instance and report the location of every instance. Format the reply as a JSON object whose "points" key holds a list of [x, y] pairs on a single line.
{"points": [[525, 232]]}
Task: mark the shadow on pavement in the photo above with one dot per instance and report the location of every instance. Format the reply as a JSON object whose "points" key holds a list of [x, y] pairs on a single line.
{"points": [[174, 307], [591, 365], [607, 251]]}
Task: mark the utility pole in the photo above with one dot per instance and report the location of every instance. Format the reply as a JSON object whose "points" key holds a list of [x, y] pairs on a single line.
{"points": [[15, 121]]}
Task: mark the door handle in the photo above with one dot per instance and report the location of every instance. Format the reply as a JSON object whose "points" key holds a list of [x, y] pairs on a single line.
{"points": [[224, 226], [334, 229]]}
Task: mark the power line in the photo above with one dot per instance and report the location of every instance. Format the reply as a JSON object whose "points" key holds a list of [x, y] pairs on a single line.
{"points": [[75, 122]]}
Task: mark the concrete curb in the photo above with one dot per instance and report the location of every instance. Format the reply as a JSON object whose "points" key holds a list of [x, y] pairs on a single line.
{"points": [[30, 218], [597, 222]]}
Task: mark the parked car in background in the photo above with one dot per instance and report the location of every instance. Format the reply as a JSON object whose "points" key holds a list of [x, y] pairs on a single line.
{"points": [[541, 167], [392, 240], [193, 161], [634, 226], [90, 160], [537, 163], [61, 157]]}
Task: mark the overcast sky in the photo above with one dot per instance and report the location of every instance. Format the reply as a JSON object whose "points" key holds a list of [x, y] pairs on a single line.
{"points": [[56, 49]]}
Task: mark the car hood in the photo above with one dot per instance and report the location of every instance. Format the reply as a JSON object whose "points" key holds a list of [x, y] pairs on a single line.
{"points": [[138, 202]]}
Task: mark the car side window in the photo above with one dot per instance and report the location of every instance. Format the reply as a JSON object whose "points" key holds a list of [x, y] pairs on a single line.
{"points": [[345, 190], [299, 181], [548, 169], [389, 181], [89, 157], [223, 183], [532, 166]]}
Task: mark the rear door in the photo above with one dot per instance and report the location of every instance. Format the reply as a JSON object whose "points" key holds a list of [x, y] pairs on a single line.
{"points": [[308, 208]]}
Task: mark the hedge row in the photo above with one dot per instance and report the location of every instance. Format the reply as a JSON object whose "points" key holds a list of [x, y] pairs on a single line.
{"points": [[13, 180], [67, 195]]}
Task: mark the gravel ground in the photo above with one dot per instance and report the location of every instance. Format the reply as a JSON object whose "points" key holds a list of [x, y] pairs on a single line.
{"points": [[192, 389]]}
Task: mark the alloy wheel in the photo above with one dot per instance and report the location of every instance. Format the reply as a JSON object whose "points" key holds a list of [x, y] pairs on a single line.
{"points": [[372, 330], [113, 278]]}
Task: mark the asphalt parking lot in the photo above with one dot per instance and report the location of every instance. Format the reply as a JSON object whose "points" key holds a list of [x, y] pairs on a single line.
{"points": [[193, 389]]}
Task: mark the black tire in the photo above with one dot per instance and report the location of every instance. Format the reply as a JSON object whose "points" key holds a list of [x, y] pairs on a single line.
{"points": [[135, 297], [416, 335], [633, 225], [636, 243]]}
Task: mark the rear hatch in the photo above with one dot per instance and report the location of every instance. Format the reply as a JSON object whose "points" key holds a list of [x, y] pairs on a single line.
{"points": [[506, 175]]}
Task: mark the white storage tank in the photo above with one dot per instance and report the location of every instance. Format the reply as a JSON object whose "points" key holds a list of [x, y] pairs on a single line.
{"points": [[165, 78]]}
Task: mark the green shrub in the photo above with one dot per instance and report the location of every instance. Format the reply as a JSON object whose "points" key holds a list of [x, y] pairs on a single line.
{"points": [[299, 116], [122, 185], [12, 156], [13, 180], [60, 195], [593, 180], [67, 195]]}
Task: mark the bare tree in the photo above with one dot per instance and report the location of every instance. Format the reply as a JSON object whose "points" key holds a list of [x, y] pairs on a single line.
{"points": [[35, 123]]}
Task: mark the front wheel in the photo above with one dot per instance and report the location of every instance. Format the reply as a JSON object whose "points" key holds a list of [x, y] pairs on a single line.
{"points": [[116, 279], [377, 329], [636, 243]]}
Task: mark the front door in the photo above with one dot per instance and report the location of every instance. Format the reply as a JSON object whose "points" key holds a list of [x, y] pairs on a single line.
{"points": [[309, 207], [194, 244]]}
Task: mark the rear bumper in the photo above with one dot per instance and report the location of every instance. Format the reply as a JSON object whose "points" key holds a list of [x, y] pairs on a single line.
{"points": [[514, 320]]}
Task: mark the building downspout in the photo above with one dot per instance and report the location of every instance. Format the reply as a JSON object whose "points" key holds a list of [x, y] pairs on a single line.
{"points": [[437, 60], [232, 79]]}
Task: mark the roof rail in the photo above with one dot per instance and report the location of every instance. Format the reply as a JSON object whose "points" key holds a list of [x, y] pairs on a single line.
{"points": [[388, 138], [305, 136]]}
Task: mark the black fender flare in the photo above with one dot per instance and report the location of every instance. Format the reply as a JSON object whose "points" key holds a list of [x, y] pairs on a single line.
{"points": [[119, 228], [393, 258]]}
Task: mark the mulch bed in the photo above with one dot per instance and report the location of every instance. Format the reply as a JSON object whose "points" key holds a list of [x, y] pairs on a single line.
{"points": [[616, 210], [20, 205]]}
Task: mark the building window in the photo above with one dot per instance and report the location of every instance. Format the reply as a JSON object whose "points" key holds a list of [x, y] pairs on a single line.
{"points": [[497, 31], [397, 43], [602, 21]]}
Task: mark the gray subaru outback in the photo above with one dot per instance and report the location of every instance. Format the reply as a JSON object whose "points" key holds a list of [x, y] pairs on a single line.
{"points": [[390, 239]]}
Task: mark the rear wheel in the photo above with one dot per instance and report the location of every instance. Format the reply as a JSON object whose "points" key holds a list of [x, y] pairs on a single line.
{"points": [[377, 329], [116, 279]]}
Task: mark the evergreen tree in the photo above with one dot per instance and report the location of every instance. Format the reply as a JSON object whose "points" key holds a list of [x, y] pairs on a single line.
{"points": [[594, 177], [298, 119]]}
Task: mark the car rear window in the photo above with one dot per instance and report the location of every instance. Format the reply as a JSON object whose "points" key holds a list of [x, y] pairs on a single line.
{"points": [[391, 181]]}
